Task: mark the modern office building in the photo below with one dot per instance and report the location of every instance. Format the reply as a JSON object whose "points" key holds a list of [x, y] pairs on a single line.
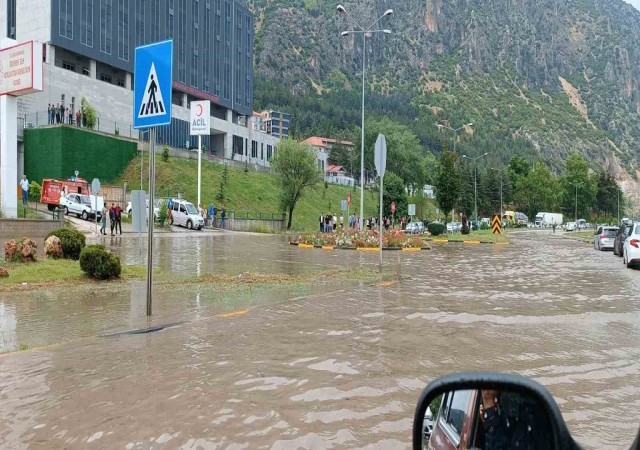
{"points": [[89, 53]]}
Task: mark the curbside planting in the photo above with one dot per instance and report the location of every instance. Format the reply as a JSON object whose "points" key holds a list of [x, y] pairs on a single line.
{"points": [[361, 249]]}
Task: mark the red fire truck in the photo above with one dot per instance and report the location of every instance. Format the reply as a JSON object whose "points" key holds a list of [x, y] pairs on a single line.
{"points": [[52, 190]]}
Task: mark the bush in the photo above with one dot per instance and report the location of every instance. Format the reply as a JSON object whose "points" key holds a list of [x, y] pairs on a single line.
{"points": [[72, 242], [484, 226], [435, 228], [165, 153], [34, 191], [99, 263]]}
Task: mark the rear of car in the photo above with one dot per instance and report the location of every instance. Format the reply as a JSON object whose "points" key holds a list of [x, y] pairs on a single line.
{"points": [[631, 255], [605, 238], [623, 233]]}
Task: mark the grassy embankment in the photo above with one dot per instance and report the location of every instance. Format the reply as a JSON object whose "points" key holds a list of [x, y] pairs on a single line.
{"points": [[583, 236], [249, 192]]}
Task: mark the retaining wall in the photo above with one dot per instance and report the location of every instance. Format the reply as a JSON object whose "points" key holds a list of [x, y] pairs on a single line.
{"points": [[31, 228]]}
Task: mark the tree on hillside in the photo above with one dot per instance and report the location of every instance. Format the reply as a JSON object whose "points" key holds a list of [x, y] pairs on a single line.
{"points": [[296, 167], [518, 167], [607, 195], [466, 202], [394, 192], [447, 182]]}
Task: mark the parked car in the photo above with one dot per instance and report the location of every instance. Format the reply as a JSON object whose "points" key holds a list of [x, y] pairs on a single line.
{"points": [[582, 224], [453, 227], [184, 213], [80, 205], [571, 226], [605, 238], [621, 236], [414, 228], [156, 208], [631, 250]]}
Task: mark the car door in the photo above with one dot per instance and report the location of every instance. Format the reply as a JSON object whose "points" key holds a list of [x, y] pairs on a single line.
{"points": [[74, 204], [596, 237]]}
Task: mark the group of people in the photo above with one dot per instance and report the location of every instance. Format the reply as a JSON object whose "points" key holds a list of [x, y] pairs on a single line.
{"points": [[212, 213], [115, 219], [58, 114], [371, 223], [329, 223]]}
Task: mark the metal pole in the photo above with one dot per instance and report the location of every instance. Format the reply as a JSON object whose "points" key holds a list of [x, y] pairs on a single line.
{"points": [[199, 167], [380, 223], [576, 205], [618, 205], [152, 182], [501, 204], [475, 188], [364, 56]]}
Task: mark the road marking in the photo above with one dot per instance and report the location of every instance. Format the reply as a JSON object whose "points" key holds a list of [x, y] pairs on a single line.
{"points": [[472, 242], [233, 313], [305, 246], [327, 247]]}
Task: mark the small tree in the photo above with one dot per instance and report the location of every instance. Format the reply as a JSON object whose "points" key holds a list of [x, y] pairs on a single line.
{"points": [[89, 114], [296, 167], [165, 153], [220, 196], [447, 182]]}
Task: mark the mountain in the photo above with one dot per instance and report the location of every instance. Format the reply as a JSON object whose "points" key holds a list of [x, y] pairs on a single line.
{"points": [[560, 76]]}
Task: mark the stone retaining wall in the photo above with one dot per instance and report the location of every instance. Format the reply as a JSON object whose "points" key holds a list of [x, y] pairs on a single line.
{"points": [[32, 228]]}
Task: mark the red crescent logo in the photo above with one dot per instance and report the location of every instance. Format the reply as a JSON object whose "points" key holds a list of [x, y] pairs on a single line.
{"points": [[199, 113]]}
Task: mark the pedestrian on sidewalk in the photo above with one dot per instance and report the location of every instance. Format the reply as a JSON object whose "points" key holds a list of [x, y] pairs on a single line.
{"points": [[223, 216], [112, 217], [24, 185], [78, 118], [211, 209], [49, 119], [103, 228], [118, 219]]}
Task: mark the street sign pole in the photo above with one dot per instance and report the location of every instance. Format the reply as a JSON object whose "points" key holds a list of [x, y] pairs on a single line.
{"points": [[199, 169], [380, 159], [152, 185], [152, 108]]}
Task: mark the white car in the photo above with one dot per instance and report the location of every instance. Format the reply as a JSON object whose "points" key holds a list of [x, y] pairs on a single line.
{"points": [[80, 205], [156, 209], [186, 214], [631, 247], [605, 237], [571, 226]]}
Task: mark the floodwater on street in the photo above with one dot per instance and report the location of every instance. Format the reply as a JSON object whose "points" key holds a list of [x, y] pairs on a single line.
{"points": [[338, 369]]}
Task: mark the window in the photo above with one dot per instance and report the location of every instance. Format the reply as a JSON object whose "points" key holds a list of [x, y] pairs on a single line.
{"points": [[86, 71], [120, 82], [11, 19], [254, 149], [261, 151], [123, 30], [105, 77], [105, 25], [269, 152], [454, 408], [170, 20], [86, 23], [139, 22], [237, 145], [65, 18], [68, 66]]}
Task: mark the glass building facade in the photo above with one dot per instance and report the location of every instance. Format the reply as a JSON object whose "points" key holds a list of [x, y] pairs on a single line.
{"points": [[213, 41]]}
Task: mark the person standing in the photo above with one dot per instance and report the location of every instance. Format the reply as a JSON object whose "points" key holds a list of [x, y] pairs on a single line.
{"points": [[103, 228], [321, 223], [223, 216], [112, 217], [24, 185], [78, 118], [118, 219], [49, 114], [211, 213]]}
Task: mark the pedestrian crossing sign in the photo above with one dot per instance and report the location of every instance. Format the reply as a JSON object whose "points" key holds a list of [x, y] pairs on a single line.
{"points": [[152, 85]]}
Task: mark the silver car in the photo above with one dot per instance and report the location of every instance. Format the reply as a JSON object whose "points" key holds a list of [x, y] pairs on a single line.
{"points": [[605, 238]]}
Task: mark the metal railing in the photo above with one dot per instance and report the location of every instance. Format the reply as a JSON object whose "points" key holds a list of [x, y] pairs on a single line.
{"points": [[41, 118]]}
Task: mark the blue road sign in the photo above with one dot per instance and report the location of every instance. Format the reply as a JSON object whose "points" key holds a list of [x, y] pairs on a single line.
{"points": [[152, 84]]}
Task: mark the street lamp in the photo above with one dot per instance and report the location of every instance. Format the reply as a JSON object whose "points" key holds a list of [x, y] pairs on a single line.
{"points": [[501, 204], [364, 32], [576, 185], [475, 180], [455, 132]]}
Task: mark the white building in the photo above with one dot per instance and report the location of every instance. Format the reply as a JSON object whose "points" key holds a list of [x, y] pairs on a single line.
{"points": [[89, 51]]}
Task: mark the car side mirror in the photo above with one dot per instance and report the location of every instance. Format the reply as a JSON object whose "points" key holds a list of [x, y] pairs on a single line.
{"points": [[488, 410]]}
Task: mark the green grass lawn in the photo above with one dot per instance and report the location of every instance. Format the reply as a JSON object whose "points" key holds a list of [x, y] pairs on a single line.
{"points": [[49, 272], [479, 235], [585, 236], [250, 193]]}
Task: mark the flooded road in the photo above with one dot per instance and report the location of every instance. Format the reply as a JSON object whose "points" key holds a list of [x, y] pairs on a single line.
{"points": [[329, 368]]}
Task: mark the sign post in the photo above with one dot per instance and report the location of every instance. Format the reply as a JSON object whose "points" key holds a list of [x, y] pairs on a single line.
{"points": [[95, 189], [21, 71], [151, 108], [380, 159], [496, 224], [200, 124]]}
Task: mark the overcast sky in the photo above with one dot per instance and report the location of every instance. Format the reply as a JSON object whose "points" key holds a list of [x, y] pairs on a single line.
{"points": [[635, 3]]}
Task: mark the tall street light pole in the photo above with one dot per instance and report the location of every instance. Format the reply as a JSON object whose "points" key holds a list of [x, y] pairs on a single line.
{"points": [[475, 180], [364, 32], [576, 185], [501, 204]]}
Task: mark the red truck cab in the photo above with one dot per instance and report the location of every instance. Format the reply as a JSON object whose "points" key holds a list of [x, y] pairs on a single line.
{"points": [[52, 190]]}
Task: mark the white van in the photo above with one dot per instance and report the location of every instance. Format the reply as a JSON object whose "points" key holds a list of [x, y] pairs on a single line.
{"points": [[186, 214]]}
